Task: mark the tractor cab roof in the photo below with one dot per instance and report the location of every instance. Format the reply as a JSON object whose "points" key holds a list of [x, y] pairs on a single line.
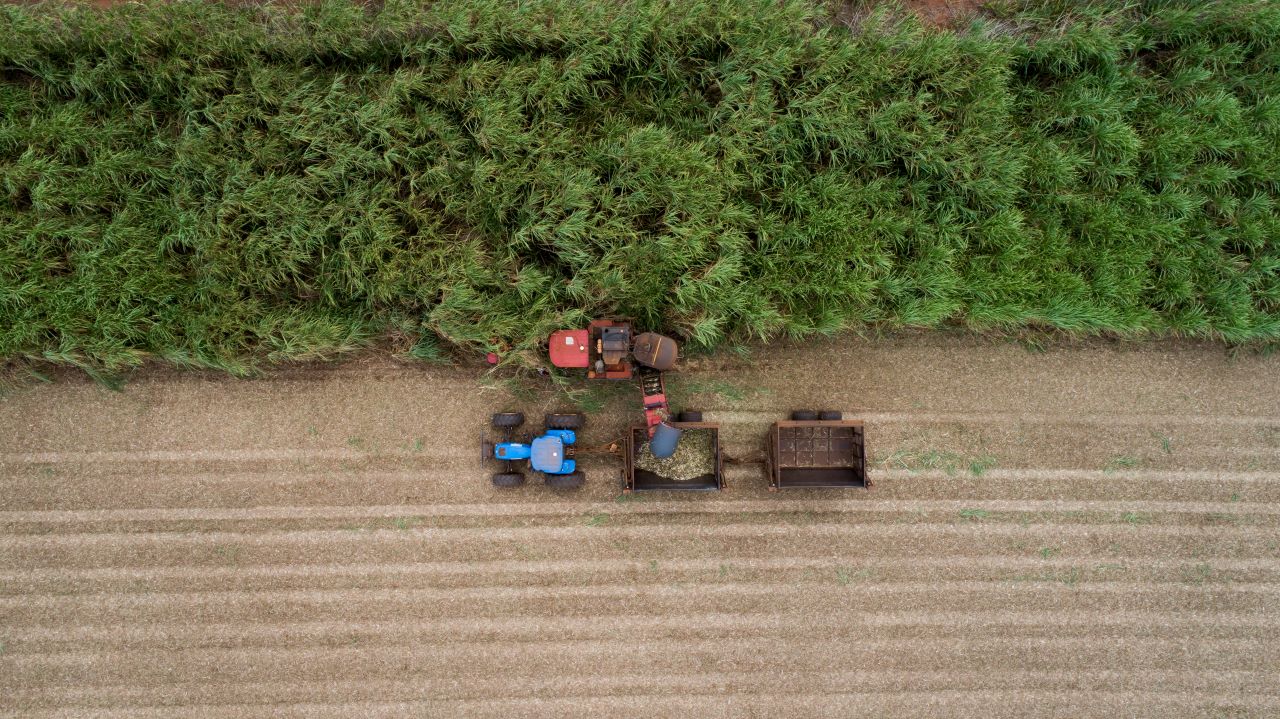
{"points": [[547, 454]]}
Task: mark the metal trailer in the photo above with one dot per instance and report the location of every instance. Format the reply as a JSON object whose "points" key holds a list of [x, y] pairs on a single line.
{"points": [[636, 479], [816, 449]]}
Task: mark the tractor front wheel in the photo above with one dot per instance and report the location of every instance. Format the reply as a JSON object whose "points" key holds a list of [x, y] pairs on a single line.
{"points": [[565, 421], [508, 420], [508, 479], [572, 480]]}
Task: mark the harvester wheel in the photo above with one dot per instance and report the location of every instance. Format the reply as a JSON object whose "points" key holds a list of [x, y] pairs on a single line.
{"points": [[565, 421], [572, 480], [689, 415], [508, 420], [803, 415], [508, 479], [830, 415]]}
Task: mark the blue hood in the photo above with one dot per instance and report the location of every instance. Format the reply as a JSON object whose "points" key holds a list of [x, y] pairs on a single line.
{"points": [[547, 454]]}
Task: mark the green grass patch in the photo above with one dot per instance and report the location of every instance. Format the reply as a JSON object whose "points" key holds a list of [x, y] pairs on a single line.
{"points": [[846, 575], [1135, 518], [1121, 462], [732, 392], [949, 462], [1199, 574], [980, 465], [405, 523], [219, 186], [1166, 442]]}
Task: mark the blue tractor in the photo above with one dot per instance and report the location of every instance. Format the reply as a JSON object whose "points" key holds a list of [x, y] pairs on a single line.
{"points": [[550, 453]]}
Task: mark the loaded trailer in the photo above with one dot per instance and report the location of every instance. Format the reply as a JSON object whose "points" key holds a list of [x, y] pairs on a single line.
{"points": [[697, 465]]}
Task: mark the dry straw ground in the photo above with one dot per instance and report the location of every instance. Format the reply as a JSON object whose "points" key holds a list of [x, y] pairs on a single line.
{"points": [[1088, 531]]}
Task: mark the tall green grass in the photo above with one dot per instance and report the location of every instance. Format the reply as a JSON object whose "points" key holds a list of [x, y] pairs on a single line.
{"points": [[220, 187]]}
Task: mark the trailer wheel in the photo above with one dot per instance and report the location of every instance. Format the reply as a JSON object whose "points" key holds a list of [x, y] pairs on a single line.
{"points": [[803, 415], [830, 415], [508, 420], [565, 421], [572, 480], [508, 479], [689, 415]]}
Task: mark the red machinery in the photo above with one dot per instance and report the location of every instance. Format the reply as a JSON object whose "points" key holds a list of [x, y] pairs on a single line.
{"points": [[609, 349]]}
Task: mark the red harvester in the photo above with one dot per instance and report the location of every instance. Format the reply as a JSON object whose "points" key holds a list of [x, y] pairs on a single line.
{"points": [[611, 350]]}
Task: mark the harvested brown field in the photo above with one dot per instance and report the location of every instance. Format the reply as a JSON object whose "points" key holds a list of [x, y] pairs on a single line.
{"points": [[1089, 530]]}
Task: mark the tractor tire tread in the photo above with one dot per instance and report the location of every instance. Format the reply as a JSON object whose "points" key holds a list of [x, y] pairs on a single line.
{"points": [[508, 420], [565, 421]]}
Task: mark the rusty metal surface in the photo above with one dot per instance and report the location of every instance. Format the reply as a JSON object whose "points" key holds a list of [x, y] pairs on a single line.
{"points": [[655, 350], [813, 446], [616, 366], [819, 453]]}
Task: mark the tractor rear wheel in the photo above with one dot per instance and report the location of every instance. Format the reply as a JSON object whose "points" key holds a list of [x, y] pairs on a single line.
{"points": [[689, 415], [830, 415], [803, 415], [508, 479], [508, 420], [565, 421], [572, 480]]}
